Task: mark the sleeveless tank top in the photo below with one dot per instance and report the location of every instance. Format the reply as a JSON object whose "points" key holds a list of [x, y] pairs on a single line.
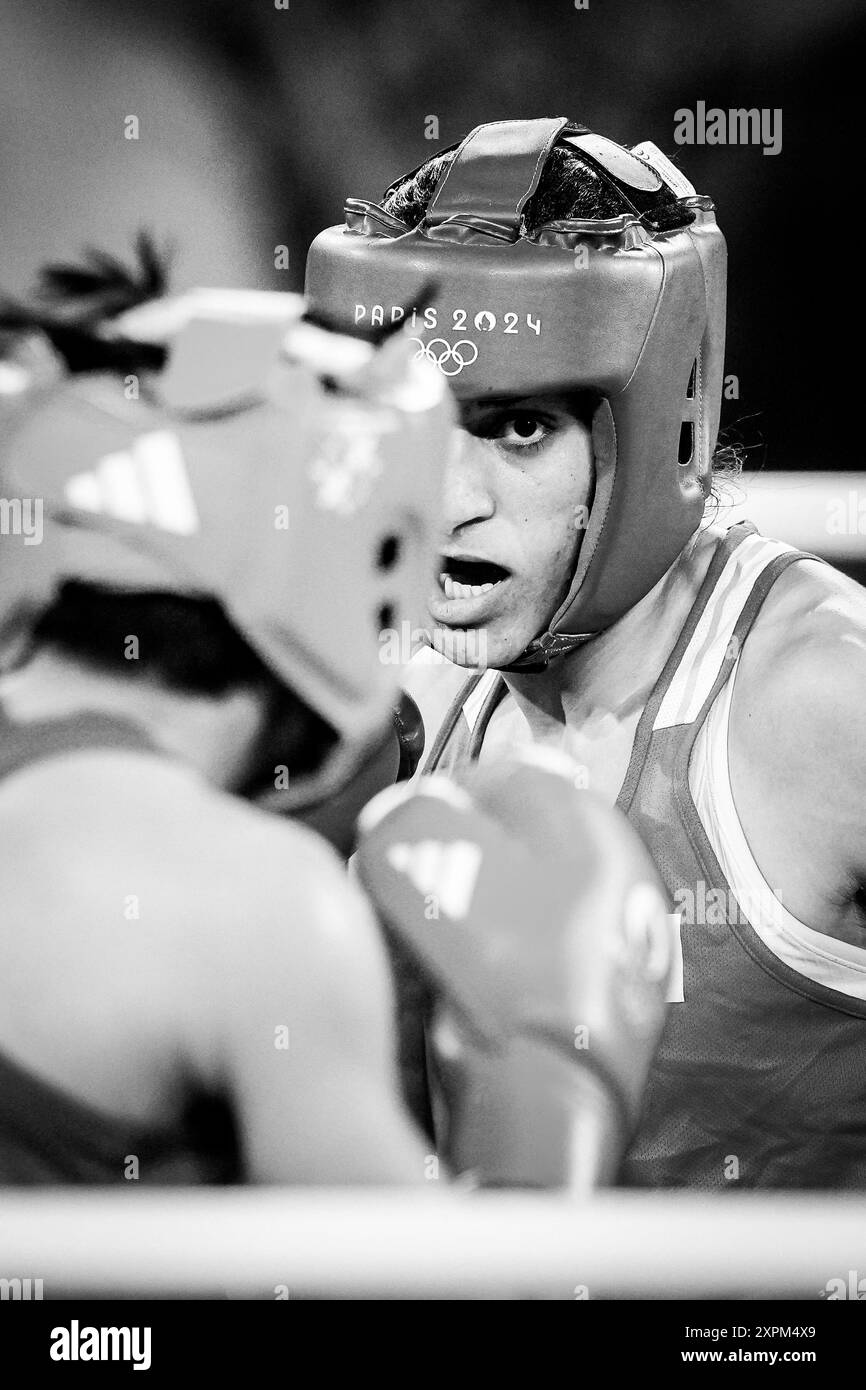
{"points": [[46, 1135], [760, 1078]]}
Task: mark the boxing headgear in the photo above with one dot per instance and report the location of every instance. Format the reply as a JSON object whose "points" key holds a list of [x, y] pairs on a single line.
{"points": [[631, 308], [265, 466]]}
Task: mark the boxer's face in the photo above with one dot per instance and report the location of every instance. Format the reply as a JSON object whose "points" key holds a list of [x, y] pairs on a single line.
{"points": [[517, 493]]}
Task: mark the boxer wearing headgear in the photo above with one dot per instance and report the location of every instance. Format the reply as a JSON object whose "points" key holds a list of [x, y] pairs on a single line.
{"points": [[207, 522], [707, 680]]}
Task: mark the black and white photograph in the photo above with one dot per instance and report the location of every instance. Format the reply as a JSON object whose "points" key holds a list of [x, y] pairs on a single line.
{"points": [[432, 674]]}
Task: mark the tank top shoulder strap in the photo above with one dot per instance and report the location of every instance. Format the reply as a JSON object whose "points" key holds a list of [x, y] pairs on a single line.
{"points": [[741, 574], [24, 743], [461, 732]]}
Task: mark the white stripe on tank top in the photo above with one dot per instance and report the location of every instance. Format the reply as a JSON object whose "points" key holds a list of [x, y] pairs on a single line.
{"points": [[822, 959]]}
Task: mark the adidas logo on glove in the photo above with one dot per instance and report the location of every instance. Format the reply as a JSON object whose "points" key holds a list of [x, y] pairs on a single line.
{"points": [[447, 872]]}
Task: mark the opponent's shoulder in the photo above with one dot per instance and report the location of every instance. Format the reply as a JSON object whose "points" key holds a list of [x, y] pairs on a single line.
{"points": [[248, 912], [115, 816], [240, 863], [271, 894]]}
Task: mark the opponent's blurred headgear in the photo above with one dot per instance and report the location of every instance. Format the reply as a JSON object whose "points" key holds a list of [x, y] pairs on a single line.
{"points": [[631, 308], [291, 474]]}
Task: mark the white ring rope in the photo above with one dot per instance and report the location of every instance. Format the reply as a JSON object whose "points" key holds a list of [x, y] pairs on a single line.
{"points": [[253, 1241], [824, 513]]}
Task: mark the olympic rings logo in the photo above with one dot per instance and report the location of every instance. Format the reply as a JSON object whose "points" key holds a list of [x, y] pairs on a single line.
{"points": [[451, 359]]}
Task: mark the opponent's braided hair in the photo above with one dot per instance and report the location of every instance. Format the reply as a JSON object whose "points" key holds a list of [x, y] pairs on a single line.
{"points": [[70, 305]]}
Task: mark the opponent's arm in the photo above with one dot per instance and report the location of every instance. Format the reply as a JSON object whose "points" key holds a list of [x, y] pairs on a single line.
{"points": [[308, 1041]]}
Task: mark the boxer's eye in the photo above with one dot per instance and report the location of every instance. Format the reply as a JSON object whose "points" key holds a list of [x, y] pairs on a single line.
{"points": [[519, 431], [524, 430]]}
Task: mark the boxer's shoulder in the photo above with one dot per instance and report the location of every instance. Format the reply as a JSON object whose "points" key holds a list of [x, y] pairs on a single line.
{"points": [[798, 718], [808, 640], [815, 596]]}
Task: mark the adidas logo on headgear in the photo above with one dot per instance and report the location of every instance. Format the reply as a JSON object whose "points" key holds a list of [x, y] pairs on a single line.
{"points": [[146, 485]]}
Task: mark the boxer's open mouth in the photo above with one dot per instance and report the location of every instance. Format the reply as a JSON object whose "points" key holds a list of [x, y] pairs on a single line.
{"points": [[463, 576]]}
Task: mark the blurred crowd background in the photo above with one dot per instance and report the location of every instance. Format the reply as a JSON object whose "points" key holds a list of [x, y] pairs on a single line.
{"points": [[257, 117]]}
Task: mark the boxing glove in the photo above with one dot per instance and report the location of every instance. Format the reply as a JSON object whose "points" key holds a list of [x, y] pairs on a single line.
{"points": [[537, 917]]}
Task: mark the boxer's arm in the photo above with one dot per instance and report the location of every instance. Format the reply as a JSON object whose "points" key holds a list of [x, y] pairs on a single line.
{"points": [[830, 732], [798, 746], [309, 1033]]}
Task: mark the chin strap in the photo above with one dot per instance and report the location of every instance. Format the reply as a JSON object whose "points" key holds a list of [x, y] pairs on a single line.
{"points": [[542, 650]]}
